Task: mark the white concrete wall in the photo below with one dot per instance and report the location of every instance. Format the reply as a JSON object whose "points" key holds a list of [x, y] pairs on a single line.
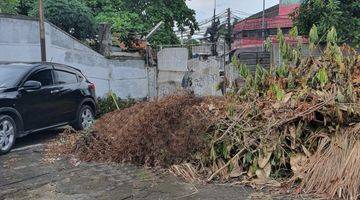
{"points": [[205, 76], [19, 41], [172, 66]]}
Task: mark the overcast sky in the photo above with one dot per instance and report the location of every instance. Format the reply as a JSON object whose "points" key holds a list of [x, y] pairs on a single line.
{"points": [[204, 8]]}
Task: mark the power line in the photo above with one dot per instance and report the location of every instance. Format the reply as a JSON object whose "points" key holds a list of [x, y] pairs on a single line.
{"points": [[223, 17], [242, 12]]}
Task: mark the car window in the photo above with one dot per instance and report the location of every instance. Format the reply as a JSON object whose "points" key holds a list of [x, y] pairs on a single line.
{"points": [[44, 77], [63, 77]]}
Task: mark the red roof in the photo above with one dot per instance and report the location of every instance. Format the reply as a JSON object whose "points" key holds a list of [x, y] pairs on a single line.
{"points": [[256, 24], [275, 17]]}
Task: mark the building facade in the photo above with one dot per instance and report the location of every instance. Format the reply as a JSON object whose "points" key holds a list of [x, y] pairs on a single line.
{"points": [[248, 33]]}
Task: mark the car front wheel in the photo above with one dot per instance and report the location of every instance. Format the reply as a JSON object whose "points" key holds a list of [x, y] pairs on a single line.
{"points": [[85, 118], [7, 133]]}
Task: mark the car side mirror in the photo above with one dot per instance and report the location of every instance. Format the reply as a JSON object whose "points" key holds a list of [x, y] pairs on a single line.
{"points": [[32, 85]]}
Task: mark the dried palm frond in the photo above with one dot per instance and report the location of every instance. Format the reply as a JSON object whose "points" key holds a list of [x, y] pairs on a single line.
{"points": [[187, 171], [334, 169]]}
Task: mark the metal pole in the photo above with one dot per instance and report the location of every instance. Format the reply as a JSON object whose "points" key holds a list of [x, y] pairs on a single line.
{"points": [[229, 28], [214, 9], [42, 32], [263, 21], [214, 31]]}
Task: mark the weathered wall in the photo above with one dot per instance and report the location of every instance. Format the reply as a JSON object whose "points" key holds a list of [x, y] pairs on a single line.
{"points": [[19, 41], [205, 76], [172, 66], [198, 75]]}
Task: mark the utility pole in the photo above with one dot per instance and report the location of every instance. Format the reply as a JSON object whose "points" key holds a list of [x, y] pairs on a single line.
{"points": [[229, 27], [42, 31], [214, 31], [263, 23], [214, 9]]}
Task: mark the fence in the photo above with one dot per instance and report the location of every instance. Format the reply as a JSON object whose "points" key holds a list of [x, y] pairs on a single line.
{"points": [[251, 59]]}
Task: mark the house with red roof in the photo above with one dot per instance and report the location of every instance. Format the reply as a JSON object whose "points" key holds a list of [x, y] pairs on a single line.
{"points": [[247, 33]]}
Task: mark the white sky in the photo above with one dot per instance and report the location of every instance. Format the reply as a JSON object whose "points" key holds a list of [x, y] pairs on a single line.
{"points": [[205, 8]]}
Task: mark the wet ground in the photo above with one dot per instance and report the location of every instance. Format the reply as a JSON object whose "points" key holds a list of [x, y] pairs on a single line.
{"points": [[24, 174]]}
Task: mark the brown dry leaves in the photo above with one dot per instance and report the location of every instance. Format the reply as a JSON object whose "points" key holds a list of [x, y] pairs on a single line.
{"points": [[164, 132]]}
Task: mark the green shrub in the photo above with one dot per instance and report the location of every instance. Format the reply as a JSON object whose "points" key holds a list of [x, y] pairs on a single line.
{"points": [[107, 104]]}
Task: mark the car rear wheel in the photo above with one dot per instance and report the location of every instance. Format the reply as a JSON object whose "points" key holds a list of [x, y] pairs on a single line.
{"points": [[7, 133], [85, 118]]}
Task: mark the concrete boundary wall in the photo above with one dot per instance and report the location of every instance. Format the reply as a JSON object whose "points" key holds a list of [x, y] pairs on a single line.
{"points": [[19, 41], [172, 66]]}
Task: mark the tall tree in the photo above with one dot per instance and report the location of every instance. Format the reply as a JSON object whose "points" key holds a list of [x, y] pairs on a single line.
{"points": [[25, 6], [135, 18], [344, 15], [72, 16]]}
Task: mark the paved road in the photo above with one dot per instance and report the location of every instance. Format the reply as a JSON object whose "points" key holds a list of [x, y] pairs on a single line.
{"points": [[37, 138], [25, 175]]}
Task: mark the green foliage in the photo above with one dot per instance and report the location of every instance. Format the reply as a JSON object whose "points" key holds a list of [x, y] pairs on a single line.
{"points": [[344, 15], [295, 71], [285, 49], [244, 71], [332, 36], [107, 104], [9, 6], [126, 25], [72, 16], [282, 71], [260, 77], [278, 91], [253, 82], [268, 44], [25, 7], [322, 77], [313, 36], [294, 32], [287, 52], [135, 18], [281, 38]]}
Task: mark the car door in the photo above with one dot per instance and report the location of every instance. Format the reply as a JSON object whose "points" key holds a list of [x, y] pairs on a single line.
{"points": [[40, 107], [68, 93]]}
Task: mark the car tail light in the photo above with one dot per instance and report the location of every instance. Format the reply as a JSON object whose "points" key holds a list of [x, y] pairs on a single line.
{"points": [[92, 86]]}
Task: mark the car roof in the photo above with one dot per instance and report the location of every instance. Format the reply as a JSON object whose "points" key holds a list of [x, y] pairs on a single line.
{"points": [[32, 65]]}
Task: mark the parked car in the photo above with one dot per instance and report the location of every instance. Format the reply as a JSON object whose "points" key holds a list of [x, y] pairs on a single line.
{"points": [[41, 96]]}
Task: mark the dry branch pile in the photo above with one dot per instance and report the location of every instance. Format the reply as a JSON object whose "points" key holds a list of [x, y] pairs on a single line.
{"points": [[159, 133]]}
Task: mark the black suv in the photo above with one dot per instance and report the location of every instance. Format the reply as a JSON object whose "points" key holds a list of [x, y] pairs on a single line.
{"points": [[39, 96]]}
